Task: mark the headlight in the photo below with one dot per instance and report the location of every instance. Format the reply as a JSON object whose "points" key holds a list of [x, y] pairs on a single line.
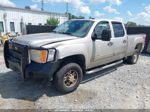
{"points": [[42, 56], [51, 54], [39, 56]]}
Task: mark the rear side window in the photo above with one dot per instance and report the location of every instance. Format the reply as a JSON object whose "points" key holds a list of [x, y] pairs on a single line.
{"points": [[118, 29]]}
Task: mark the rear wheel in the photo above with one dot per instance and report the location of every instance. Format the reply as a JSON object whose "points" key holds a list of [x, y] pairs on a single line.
{"points": [[68, 78], [132, 59]]}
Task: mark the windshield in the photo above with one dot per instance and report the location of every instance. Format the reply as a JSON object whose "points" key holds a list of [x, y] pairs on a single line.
{"points": [[78, 28]]}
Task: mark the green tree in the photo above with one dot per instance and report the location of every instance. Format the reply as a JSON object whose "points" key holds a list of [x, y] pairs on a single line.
{"points": [[75, 17], [129, 23], [27, 7], [80, 17], [91, 17], [53, 21]]}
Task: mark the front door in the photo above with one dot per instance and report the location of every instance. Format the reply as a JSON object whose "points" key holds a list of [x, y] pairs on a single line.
{"points": [[103, 50]]}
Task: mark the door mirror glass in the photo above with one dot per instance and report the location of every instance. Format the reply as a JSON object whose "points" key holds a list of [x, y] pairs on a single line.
{"points": [[106, 35]]}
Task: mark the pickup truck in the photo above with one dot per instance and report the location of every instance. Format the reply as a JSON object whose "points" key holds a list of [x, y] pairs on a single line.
{"points": [[64, 55]]}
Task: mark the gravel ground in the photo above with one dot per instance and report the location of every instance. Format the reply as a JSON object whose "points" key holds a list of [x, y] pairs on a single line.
{"points": [[1, 48], [119, 87]]}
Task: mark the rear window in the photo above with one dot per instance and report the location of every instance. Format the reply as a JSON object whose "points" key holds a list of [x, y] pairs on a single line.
{"points": [[118, 29]]}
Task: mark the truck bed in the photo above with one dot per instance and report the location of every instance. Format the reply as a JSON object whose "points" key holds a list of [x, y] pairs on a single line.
{"points": [[138, 30], [134, 39]]}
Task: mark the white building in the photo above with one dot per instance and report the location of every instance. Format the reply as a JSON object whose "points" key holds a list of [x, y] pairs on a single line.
{"points": [[14, 19]]}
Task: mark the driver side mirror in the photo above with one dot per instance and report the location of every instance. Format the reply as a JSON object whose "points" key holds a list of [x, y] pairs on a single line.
{"points": [[106, 35], [94, 36]]}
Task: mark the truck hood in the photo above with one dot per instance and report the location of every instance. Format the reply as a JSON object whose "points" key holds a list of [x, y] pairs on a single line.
{"points": [[38, 40]]}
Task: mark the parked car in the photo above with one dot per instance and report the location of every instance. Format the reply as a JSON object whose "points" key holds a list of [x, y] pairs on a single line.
{"points": [[71, 49], [8, 36], [4, 39]]}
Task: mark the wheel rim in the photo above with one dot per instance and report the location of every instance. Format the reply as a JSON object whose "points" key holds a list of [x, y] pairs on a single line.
{"points": [[135, 57], [70, 78]]}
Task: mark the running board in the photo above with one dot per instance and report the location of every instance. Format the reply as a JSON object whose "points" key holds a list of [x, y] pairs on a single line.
{"points": [[103, 67]]}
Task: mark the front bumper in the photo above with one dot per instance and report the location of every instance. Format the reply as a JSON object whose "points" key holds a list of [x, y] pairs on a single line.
{"points": [[37, 70], [18, 62]]}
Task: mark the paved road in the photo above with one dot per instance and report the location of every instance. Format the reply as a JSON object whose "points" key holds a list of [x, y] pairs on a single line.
{"points": [[118, 87]]}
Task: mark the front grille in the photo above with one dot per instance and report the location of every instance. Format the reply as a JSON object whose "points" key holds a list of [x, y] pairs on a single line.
{"points": [[19, 55], [16, 52]]}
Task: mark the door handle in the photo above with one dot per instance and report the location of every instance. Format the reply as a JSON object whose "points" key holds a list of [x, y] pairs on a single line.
{"points": [[124, 41], [110, 44]]}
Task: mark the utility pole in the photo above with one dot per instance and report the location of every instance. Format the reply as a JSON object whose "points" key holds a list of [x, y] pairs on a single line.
{"points": [[42, 2], [67, 4]]}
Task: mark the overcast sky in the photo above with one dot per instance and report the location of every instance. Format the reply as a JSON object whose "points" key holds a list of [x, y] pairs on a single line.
{"points": [[126, 10]]}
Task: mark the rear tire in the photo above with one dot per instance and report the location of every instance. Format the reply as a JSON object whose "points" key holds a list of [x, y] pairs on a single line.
{"points": [[68, 78], [132, 59]]}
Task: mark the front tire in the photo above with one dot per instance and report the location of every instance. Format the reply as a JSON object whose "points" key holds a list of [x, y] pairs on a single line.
{"points": [[68, 78]]}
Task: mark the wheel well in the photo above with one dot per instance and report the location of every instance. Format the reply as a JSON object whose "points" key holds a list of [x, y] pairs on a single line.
{"points": [[79, 59], [139, 46]]}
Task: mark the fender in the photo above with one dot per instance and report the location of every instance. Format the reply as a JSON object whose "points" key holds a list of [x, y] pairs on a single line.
{"points": [[71, 50]]}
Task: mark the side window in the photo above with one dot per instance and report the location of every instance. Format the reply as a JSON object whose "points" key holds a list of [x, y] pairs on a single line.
{"points": [[1, 27], [12, 26], [100, 27], [29, 23], [40, 24], [21, 27], [118, 29]]}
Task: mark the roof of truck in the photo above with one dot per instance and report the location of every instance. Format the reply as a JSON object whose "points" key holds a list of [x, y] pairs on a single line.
{"points": [[97, 20]]}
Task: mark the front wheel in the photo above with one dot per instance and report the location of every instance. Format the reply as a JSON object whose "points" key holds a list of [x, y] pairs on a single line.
{"points": [[68, 78], [132, 59]]}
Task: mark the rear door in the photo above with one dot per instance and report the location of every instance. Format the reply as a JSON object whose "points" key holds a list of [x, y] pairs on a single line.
{"points": [[120, 40]]}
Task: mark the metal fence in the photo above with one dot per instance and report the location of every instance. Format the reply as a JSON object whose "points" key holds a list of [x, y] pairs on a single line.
{"points": [[31, 29], [139, 30]]}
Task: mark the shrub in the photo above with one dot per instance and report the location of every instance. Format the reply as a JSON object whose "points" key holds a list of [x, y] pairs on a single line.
{"points": [[53, 21]]}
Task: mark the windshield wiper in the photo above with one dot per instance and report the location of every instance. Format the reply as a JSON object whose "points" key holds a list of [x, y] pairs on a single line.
{"points": [[67, 33]]}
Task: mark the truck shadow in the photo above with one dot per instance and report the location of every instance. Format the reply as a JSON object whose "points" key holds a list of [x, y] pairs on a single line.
{"points": [[12, 86]]}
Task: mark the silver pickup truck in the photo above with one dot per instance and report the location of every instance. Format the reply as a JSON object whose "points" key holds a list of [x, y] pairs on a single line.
{"points": [[65, 54]]}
